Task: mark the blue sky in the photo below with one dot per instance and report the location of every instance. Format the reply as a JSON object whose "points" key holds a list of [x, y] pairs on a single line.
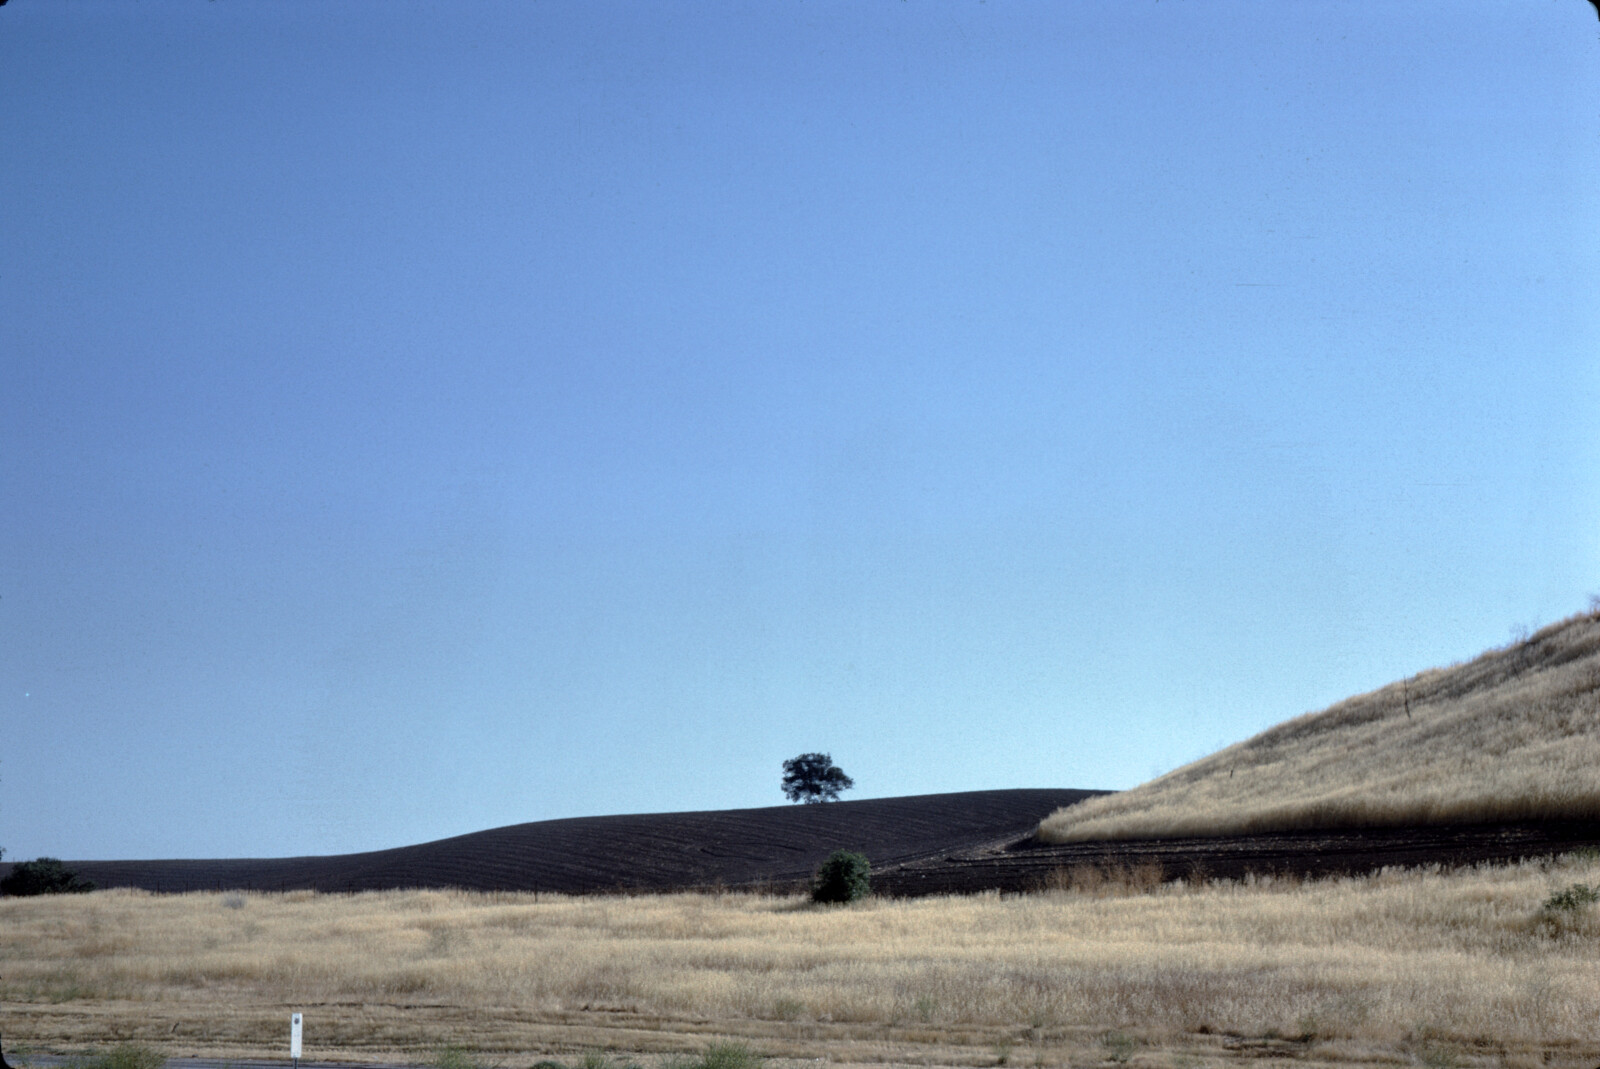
{"points": [[420, 418]]}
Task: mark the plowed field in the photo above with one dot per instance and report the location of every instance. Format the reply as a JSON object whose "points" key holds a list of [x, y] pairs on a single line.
{"points": [[1028, 865], [779, 845], [923, 844]]}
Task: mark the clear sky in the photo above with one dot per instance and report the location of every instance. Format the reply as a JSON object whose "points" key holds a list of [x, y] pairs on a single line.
{"points": [[423, 417]]}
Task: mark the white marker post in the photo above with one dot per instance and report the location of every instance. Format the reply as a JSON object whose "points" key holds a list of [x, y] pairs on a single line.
{"points": [[294, 1038]]}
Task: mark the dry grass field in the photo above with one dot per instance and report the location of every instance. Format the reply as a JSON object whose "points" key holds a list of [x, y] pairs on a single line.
{"points": [[1438, 969], [1512, 735]]}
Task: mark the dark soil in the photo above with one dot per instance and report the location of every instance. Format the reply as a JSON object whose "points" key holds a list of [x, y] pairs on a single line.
{"points": [[780, 846], [925, 844], [1028, 865]]}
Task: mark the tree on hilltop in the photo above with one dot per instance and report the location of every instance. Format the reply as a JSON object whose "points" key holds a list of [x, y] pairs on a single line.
{"points": [[813, 777]]}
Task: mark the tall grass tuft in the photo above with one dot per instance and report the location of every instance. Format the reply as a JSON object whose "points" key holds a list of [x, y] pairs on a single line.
{"points": [[728, 1056], [452, 1057], [122, 1056]]}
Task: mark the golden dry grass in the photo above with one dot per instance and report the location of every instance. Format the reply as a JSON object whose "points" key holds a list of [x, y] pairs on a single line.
{"points": [[1512, 735], [1463, 965]]}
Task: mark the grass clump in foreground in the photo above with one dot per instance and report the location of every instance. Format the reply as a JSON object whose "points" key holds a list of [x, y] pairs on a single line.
{"points": [[716, 1056], [453, 1057], [596, 1059], [122, 1056], [720, 1056]]}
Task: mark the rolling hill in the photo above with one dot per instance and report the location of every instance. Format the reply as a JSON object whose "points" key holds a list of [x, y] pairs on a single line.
{"points": [[1493, 759], [779, 845]]}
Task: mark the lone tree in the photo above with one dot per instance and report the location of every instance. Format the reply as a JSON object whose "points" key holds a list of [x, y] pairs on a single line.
{"points": [[813, 777]]}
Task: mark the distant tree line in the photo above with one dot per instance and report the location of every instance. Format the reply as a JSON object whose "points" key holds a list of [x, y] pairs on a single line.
{"points": [[45, 876]]}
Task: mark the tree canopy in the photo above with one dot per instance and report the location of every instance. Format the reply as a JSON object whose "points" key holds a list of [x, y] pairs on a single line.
{"points": [[46, 876], [813, 777]]}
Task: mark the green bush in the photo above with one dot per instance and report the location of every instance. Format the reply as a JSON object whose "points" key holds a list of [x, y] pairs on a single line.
{"points": [[717, 1056], [1119, 1047], [452, 1057], [599, 1059], [1571, 899], [729, 1056], [46, 876], [844, 877]]}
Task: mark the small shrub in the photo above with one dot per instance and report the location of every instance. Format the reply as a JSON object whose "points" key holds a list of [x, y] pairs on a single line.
{"points": [[1119, 1047], [788, 1009], [716, 1056], [449, 1057], [844, 877], [1571, 899], [1567, 913], [591, 1059], [599, 1059], [1435, 1056], [729, 1056], [46, 876]]}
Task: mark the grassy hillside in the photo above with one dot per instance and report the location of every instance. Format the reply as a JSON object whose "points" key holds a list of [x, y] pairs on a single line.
{"points": [[1512, 735]]}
